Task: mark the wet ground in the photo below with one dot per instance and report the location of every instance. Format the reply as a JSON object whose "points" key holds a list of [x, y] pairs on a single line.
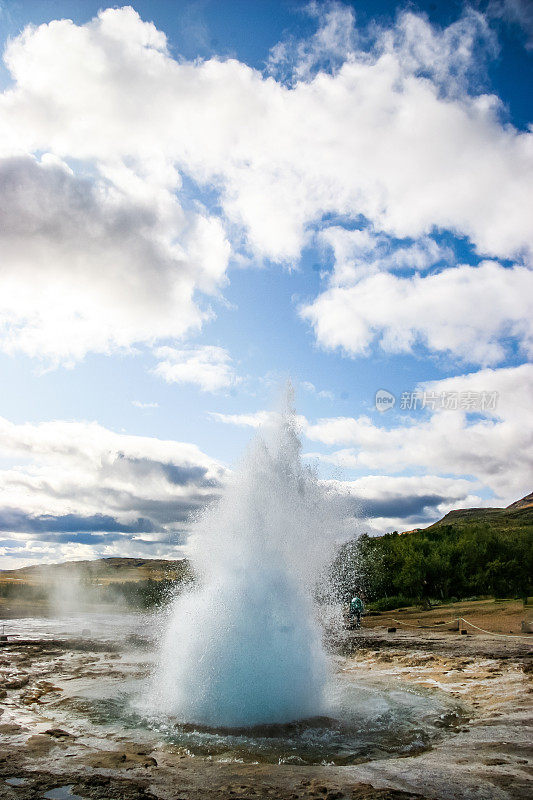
{"points": [[412, 714]]}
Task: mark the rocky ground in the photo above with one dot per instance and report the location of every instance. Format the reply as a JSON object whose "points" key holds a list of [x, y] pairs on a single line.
{"points": [[486, 758]]}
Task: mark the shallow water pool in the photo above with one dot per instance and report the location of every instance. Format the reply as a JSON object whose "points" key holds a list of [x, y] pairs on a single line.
{"points": [[363, 719]]}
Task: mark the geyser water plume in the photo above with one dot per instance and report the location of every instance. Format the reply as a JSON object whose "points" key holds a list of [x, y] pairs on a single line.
{"points": [[244, 647]]}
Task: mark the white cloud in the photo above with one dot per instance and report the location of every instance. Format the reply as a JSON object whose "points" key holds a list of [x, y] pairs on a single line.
{"points": [[492, 450], [140, 404], [88, 266], [102, 249], [387, 503], [207, 366], [79, 484], [384, 126], [333, 43], [383, 135], [359, 253], [81, 490], [466, 311], [454, 57], [496, 449]]}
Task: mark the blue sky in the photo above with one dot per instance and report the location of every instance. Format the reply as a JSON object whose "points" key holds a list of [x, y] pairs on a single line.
{"points": [[201, 200]]}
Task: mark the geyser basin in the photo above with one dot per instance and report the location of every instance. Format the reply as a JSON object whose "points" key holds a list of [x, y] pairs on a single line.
{"points": [[241, 673], [365, 719], [361, 722]]}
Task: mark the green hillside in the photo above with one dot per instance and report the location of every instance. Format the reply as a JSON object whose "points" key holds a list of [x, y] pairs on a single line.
{"points": [[517, 516], [469, 553]]}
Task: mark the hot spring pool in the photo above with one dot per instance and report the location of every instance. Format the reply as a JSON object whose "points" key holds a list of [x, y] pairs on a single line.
{"points": [[365, 719]]}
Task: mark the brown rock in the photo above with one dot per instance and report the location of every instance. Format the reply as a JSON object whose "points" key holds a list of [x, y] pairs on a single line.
{"points": [[10, 728], [58, 733], [117, 759], [17, 683], [39, 744], [365, 791]]}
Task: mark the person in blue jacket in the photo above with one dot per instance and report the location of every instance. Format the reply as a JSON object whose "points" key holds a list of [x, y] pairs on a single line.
{"points": [[356, 610]]}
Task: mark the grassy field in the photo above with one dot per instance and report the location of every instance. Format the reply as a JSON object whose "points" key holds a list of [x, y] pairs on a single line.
{"points": [[494, 615]]}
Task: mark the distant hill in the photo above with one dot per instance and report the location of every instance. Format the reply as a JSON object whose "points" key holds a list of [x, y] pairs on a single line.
{"points": [[516, 516], [79, 586], [525, 502], [102, 570]]}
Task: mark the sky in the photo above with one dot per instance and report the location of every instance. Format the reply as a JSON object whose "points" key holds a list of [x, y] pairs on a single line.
{"points": [[201, 200]]}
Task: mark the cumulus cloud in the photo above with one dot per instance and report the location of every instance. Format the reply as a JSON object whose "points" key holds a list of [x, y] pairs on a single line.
{"points": [[495, 447], [87, 266], [454, 57], [327, 49], [81, 483], [82, 490], [490, 449], [375, 137], [208, 367], [360, 253], [441, 311], [385, 125], [387, 503], [102, 246], [388, 125]]}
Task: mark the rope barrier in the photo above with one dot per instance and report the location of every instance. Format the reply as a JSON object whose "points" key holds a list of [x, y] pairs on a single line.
{"points": [[491, 633], [467, 622], [407, 625]]}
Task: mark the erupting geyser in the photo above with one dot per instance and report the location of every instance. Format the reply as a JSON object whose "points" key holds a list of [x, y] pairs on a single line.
{"points": [[244, 647]]}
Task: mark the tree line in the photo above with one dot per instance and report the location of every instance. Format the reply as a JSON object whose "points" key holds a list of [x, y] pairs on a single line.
{"points": [[444, 563]]}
